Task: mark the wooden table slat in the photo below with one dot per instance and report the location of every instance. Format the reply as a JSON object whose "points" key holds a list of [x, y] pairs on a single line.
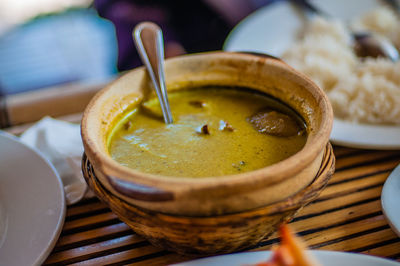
{"points": [[341, 152], [89, 221], [353, 186], [366, 158], [92, 236], [362, 241], [105, 247], [336, 218], [335, 234], [345, 232], [330, 204], [390, 250], [85, 209], [362, 171]]}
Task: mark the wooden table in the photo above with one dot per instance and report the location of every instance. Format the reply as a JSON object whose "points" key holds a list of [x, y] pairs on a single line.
{"points": [[347, 216]]}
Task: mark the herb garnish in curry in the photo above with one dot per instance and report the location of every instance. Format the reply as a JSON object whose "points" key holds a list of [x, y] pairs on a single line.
{"points": [[216, 131]]}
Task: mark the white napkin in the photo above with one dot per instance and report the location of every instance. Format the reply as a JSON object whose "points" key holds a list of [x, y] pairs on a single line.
{"points": [[60, 142]]}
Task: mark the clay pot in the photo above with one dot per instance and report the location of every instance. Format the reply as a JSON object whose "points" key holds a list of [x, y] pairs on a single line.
{"points": [[209, 196]]}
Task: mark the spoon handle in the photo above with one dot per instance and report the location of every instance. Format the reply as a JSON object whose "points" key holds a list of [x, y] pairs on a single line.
{"points": [[150, 45]]}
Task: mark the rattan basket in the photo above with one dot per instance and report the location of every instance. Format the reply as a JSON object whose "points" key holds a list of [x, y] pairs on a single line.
{"points": [[211, 234]]}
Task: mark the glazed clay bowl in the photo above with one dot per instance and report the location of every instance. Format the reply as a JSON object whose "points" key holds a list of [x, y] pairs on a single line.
{"points": [[211, 234], [209, 196]]}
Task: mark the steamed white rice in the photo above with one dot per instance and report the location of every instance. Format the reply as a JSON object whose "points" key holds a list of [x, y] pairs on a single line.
{"points": [[365, 91]]}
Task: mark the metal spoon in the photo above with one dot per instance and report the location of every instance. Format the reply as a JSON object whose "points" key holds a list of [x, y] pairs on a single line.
{"points": [[365, 43], [150, 45]]}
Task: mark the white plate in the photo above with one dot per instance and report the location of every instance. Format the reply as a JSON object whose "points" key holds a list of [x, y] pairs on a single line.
{"points": [[32, 204], [326, 258], [391, 199], [273, 28]]}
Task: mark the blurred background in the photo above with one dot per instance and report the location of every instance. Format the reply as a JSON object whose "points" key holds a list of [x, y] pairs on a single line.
{"points": [[46, 43]]}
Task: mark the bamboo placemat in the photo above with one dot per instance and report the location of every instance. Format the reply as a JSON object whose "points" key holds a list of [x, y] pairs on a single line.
{"points": [[346, 217]]}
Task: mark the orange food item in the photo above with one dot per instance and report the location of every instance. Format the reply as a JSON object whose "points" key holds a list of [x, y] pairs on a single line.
{"points": [[290, 252]]}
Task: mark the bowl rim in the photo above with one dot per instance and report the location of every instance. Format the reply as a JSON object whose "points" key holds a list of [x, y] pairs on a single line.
{"points": [[268, 175]]}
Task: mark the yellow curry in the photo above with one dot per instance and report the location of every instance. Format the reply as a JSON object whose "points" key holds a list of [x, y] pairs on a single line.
{"points": [[216, 131]]}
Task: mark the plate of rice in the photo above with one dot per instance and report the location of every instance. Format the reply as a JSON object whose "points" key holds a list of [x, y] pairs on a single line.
{"points": [[365, 93]]}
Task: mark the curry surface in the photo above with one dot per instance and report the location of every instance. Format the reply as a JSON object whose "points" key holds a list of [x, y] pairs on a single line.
{"points": [[143, 142]]}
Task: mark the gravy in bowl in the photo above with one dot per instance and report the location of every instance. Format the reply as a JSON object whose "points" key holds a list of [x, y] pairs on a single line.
{"points": [[216, 131]]}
